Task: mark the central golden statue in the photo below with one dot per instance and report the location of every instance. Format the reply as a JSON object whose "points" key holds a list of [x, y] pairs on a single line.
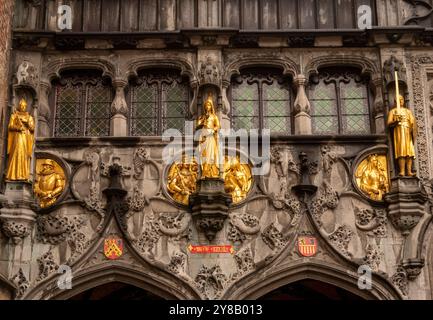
{"points": [[49, 184], [20, 144], [402, 122], [209, 125]]}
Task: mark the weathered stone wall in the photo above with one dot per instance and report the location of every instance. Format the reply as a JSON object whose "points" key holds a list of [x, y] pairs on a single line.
{"points": [[352, 230], [6, 10]]}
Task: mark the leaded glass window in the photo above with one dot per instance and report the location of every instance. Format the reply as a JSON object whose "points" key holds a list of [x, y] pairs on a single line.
{"points": [[159, 101], [340, 103], [82, 105], [261, 100]]}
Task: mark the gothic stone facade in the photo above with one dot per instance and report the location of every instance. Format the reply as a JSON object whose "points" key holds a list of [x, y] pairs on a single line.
{"points": [[241, 51]]}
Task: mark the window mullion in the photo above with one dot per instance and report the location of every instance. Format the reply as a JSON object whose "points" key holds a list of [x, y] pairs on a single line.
{"points": [[339, 104], [84, 108], [260, 96], [159, 107]]}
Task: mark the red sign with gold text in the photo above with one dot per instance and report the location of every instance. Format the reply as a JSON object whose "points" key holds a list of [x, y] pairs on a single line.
{"points": [[211, 249]]}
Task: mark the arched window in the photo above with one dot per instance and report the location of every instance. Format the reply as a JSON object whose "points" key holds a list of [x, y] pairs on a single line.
{"points": [[340, 102], [261, 100], [82, 104], [159, 101]]}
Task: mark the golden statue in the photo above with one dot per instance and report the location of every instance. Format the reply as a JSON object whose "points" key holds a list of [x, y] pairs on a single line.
{"points": [[20, 144], [182, 178], [50, 182], [209, 125], [237, 178], [372, 176], [403, 123]]}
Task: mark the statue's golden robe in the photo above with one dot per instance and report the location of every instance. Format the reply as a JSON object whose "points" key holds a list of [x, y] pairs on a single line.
{"points": [[404, 130], [20, 146], [209, 145]]}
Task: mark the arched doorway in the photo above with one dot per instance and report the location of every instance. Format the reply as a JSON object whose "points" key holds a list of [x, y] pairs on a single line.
{"points": [[309, 289], [116, 291]]}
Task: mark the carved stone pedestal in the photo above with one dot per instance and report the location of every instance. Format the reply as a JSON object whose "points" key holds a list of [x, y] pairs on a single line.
{"points": [[405, 203], [210, 206], [17, 214]]}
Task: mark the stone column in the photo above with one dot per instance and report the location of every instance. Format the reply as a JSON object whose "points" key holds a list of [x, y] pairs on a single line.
{"points": [[119, 110], [225, 108], [44, 112], [378, 105], [302, 107]]}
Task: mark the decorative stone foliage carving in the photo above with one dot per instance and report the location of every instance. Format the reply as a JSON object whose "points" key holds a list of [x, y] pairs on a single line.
{"points": [[148, 239], [372, 257], [21, 282], [417, 64], [327, 198], [242, 225], [273, 238], [341, 238], [244, 263], [211, 281], [137, 201], [16, 230], [47, 265], [371, 220], [177, 265], [400, 280], [55, 229], [174, 225]]}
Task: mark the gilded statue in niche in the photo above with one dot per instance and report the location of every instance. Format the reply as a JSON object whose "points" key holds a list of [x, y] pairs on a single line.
{"points": [[237, 178], [20, 144], [403, 125], [208, 148], [182, 179], [50, 182], [372, 176]]}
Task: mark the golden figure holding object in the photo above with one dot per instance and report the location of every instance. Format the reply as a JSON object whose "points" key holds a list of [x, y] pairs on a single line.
{"points": [[50, 182], [182, 179], [20, 144], [403, 125], [209, 125], [237, 178], [372, 176]]}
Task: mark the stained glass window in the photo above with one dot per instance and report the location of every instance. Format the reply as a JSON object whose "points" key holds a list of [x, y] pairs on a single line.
{"points": [[159, 101], [261, 100], [340, 103], [83, 101]]}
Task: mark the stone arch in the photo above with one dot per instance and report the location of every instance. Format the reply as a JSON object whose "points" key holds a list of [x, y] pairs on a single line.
{"points": [[367, 66], [109, 272], [428, 251], [233, 68], [53, 69], [253, 287], [183, 65]]}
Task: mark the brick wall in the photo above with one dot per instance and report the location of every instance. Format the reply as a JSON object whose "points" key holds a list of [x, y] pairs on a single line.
{"points": [[6, 9]]}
